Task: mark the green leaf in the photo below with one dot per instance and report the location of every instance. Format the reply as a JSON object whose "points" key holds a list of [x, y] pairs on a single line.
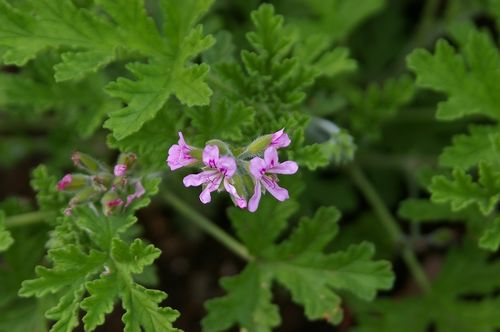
{"points": [[167, 75], [335, 62], [223, 121], [65, 313], [102, 295], [462, 191], [491, 237], [6, 239], [300, 264], [48, 198], [248, 303], [446, 308], [136, 256], [373, 107], [258, 230], [153, 140], [71, 267], [313, 156], [469, 80], [142, 310], [482, 144], [77, 65]]}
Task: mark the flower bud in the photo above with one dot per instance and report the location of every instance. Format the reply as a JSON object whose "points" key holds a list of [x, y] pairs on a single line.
{"points": [[72, 182], [127, 160], [83, 196], [110, 202], [86, 162], [259, 144]]}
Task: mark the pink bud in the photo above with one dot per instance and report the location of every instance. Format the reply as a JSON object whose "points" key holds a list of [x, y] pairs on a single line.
{"points": [[120, 169], [64, 182], [68, 212], [115, 202]]}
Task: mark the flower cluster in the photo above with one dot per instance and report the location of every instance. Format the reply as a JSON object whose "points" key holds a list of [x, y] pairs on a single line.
{"points": [[245, 177], [113, 188]]}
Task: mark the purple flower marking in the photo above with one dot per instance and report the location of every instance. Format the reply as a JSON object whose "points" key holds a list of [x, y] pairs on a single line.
{"points": [[220, 169], [280, 139], [120, 169], [139, 191], [64, 182], [264, 172], [179, 154], [115, 202]]}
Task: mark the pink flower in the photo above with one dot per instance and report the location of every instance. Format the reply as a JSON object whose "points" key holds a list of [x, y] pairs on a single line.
{"points": [[68, 211], [64, 182], [179, 154], [280, 139], [220, 169], [139, 191], [264, 172], [120, 169]]}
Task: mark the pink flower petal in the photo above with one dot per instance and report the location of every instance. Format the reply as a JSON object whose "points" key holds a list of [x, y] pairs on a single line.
{"points": [[257, 167], [227, 166], [211, 155], [271, 157], [139, 191], [253, 203], [287, 167], [194, 180], [280, 139], [274, 189], [240, 201]]}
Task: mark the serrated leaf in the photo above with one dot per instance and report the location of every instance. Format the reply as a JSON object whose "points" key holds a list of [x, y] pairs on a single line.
{"points": [[224, 120], [313, 156], [135, 256], [481, 144], [101, 229], [48, 198], [143, 312], [77, 65], [258, 230], [102, 295], [469, 79], [461, 191], [300, 265], [491, 237], [167, 75], [71, 266], [152, 141], [248, 303], [65, 313]]}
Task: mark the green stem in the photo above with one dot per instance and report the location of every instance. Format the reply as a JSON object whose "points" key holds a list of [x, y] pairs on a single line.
{"points": [[390, 224], [207, 225], [27, 218]]}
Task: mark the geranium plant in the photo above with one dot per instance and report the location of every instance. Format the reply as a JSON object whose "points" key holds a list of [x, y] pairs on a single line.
{"points": [[345, 156]]}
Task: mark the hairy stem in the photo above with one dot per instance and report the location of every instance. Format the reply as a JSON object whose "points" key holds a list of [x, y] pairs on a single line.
{"points": [[207, 225], [391, 225], [27, 218]]}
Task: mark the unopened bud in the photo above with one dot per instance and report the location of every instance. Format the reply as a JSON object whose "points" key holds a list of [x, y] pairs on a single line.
{"points": [[259, 144], [127, 160], [110, 201], [83, 196], [85, 162], [72, 182]]}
